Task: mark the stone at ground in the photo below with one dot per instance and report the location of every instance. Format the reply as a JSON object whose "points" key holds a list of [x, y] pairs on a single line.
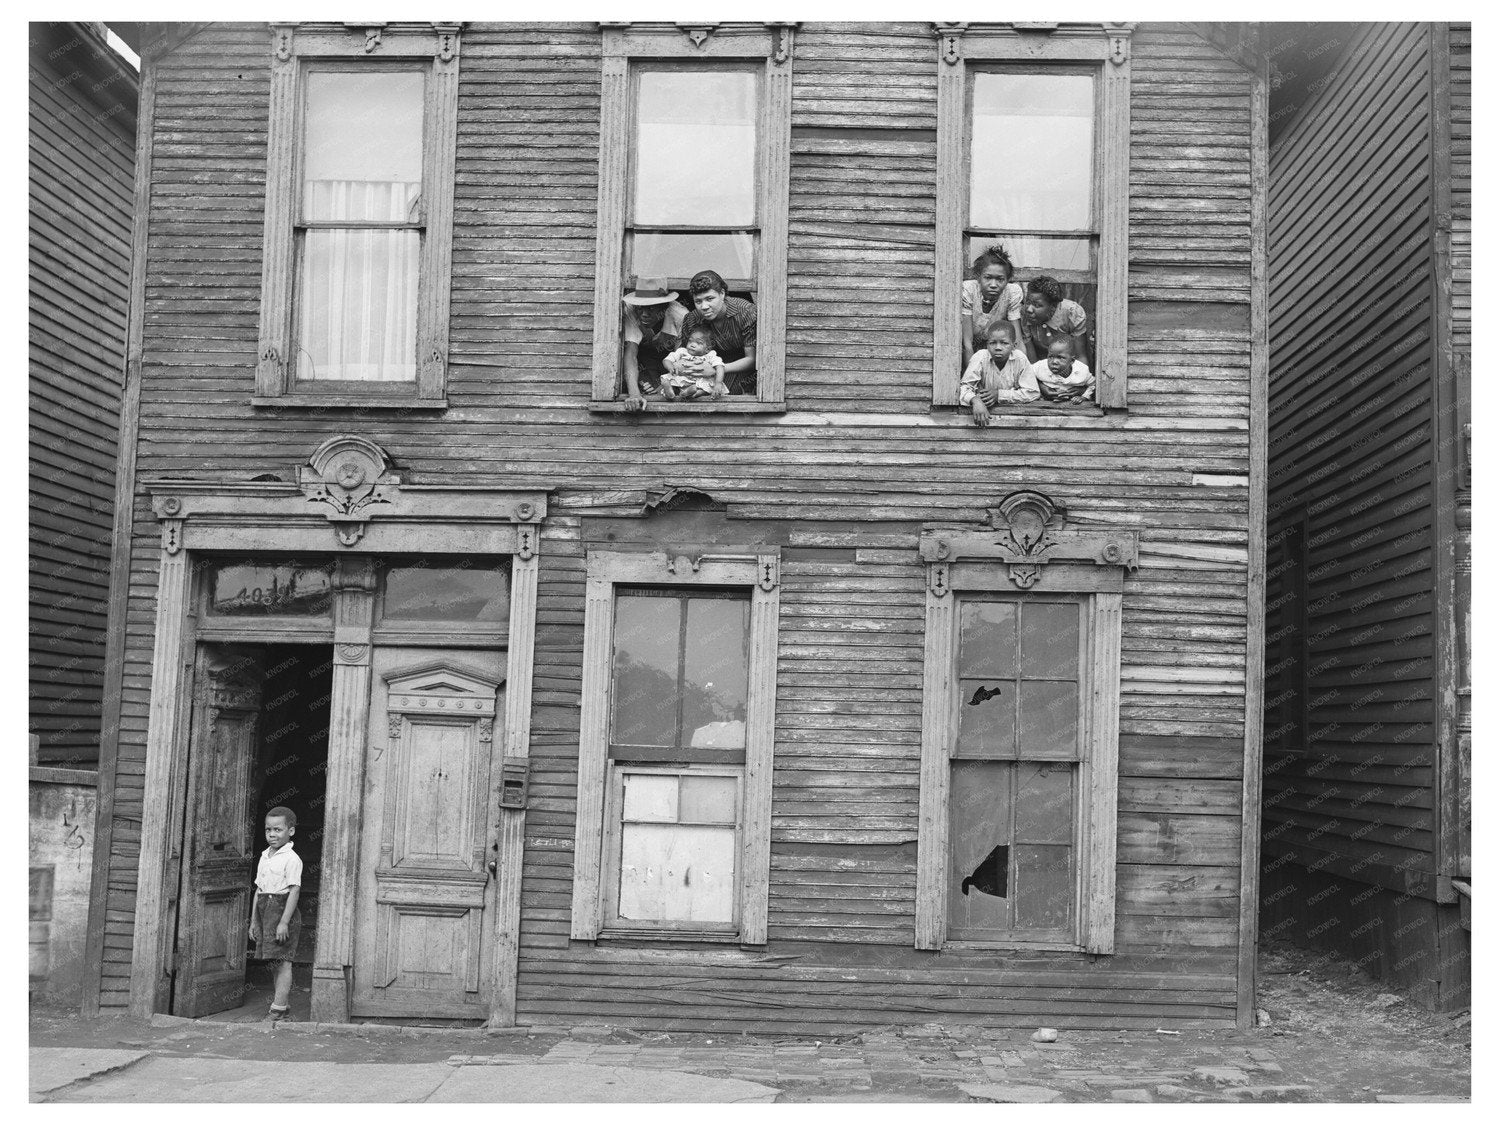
{"points": [[1168, 1090], [590, 1031], [1221, 1075], [1418, 1098], [1044, 1035], [1271, 1093], [594, 1084], [52, 1068], [994, 1092], [1130, 1095]]}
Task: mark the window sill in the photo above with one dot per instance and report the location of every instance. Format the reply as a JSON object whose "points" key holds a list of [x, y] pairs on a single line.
{"points": [[335, 401], [1017, 945], [723, 406], [656, 937], [1035, 409]]}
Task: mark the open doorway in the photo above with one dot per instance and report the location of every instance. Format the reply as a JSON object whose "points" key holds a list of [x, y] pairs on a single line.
{"points": [[260, 740]]}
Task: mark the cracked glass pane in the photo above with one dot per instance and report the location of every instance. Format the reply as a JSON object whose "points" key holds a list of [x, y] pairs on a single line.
{"points": [[1044, 803], [978, 845], [716, 673], [644, 694], [986, 719], [708, 800]]}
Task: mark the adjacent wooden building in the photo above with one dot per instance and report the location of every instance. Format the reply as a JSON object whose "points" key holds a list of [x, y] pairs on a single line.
{"points": [[813, 708], [1367, 712], [82, 165]]}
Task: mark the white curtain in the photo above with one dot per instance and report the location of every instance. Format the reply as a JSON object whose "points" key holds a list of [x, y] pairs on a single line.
{"points": [[359, 287]]}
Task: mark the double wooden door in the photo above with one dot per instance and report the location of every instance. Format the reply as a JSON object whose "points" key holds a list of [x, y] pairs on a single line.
{"points": [[424, 937], [424, 885]]}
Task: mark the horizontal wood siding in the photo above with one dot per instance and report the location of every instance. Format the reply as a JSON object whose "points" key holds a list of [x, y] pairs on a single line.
{"points": [[843, 483], [82, 167], [1351, 457], [1461, 98]]}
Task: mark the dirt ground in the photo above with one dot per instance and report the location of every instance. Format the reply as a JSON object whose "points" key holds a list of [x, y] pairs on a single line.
{"points": [[1335, 1035]]}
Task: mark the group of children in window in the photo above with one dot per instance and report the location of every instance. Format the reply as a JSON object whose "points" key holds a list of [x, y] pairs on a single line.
{"points": [[1018, 345]]}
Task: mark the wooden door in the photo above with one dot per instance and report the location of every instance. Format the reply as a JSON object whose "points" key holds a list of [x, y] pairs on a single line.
{"points": [[219, 840], [429, 837]]}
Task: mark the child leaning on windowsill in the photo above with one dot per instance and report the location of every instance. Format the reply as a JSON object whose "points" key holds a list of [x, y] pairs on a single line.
{"points": [[695, 369], [1061, 377], [997, 374]]}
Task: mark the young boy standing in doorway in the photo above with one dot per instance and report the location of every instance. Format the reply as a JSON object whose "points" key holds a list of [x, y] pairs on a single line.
{"points": [[275, 923]]}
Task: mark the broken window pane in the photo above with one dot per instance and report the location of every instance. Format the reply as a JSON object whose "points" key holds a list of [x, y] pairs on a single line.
{"points": [[1044, 803], [978, 846], [987, 638], [1044, 886], [1049, 719], [986, 719], [1049, 641]]}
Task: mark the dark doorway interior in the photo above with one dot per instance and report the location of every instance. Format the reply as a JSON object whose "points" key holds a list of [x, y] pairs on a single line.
{"points": [[291, 769]]}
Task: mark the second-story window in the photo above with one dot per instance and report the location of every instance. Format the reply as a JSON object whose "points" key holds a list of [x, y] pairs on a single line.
{"points": [[359, 215], [359, 227], [690, 298]]}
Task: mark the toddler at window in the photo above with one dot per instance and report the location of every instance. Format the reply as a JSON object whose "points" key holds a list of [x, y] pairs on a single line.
{"points": [[997, 374], [1061, 377], [695, 369]]}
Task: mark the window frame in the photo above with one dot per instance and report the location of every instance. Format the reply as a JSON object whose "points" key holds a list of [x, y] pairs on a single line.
{"points": [[959, 564], [296, 51], [1103, 49], [606, 571], [627, 49]]}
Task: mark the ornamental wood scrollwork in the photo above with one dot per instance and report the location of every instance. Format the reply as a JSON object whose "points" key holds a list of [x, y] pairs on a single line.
{"points": [[1028, 531], [283, 42], [781, 41], [698, 32], [349, 475], [950, 38], [171, 536]]}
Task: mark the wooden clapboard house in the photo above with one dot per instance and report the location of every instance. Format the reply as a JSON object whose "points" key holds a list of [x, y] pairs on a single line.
{"points": [[1366, 843], [82, 147], [812, 708]]}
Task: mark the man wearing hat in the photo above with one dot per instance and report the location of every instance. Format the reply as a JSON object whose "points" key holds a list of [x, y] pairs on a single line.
{"points": [[653, 323]]}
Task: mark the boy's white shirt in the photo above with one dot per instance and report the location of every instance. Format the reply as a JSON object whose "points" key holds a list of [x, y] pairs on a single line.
{"points": [[973, 378], [278, 870]]}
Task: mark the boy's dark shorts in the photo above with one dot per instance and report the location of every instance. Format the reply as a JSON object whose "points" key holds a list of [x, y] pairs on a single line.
{"points": [[268, 911]]}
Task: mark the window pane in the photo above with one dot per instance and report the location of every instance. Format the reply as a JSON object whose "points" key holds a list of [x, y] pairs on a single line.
{"points": [[979, 844], [1044, 803], [1033, 255], [677, 257], [708, 800], [1044, 886], [479, 594], [1032, 157], [266, 589], [987, 638], [1049, 640], [695, 148], [670, 873], [644, 693], [357, 310], [650, 797], [1049, 719], [362, 145], [716, 675], [986, 719]]}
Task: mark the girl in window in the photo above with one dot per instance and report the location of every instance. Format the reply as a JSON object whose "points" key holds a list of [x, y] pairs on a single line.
{"points": [[988, 295]]}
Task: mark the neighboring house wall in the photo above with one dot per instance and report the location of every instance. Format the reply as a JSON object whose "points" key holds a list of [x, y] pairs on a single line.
{"points": [[1360, 693], [82, 126], [843, 483]]}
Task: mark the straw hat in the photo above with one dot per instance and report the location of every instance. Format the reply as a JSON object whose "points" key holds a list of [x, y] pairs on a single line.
{"points": [[650, 291]]}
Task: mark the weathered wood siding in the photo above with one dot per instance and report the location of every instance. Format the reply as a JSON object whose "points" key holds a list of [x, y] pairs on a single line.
{"points": [[1353, 354], [843, 482], [82, 166], [1461, 98]]}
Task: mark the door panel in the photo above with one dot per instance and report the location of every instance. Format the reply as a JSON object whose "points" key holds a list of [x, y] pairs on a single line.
{"points": [[429, 835], [219, 855]]}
